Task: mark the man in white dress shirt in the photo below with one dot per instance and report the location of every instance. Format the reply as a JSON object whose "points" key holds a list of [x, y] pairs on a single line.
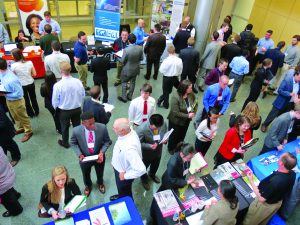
{"points": [[52, 62], [142, 107], [127, 158]]}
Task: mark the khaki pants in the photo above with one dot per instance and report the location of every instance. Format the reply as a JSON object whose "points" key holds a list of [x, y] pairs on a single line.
{"points": [[260, 213], [18, 111], [83, 72]]}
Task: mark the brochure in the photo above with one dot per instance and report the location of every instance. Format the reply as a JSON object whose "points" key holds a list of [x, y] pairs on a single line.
{"points": [[100, 215], [187, 197], [197, 162], [119, 213], [167, 203], [75, 203], [229, 171]]}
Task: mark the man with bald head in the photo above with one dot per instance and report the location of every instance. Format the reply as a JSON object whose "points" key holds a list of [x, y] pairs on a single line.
{"points": [[139, 32], [127, 158], [190, 27]]}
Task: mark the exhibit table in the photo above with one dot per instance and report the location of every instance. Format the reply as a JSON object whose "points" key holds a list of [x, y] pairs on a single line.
{"points": [[135, 218]]}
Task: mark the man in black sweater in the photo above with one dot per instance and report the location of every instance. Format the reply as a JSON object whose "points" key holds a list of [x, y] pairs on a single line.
{"points": [[181, 37]]}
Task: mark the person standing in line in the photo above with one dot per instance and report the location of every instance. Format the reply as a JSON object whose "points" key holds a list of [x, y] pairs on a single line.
{"points": [[181, 38], [222, 31]]}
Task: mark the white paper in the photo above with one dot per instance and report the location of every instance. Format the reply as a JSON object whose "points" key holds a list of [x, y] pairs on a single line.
{"points": [[166, 136], [99, 214], [32, 48], [25, 54], [197, 162], [119, 53], [91, 40], [195, 219], [107, 43], [230, 82], [90, 158], [108, 107], [83, 222], [75, 203]]}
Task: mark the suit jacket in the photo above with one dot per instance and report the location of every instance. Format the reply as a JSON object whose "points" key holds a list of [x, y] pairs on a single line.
{"points": [[155, 46], [131, 58], [277, 59], [180, 40], [7, 129], [211, 55], [278, 131], [284, 91], [190, 60], [247, 40], [99, 67], [71, 189], [178, 113], [98, 109], [230, 51], [79, 143]]}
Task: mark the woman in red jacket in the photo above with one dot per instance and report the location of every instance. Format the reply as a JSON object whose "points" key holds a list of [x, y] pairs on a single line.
{"points": [[230, 150]]}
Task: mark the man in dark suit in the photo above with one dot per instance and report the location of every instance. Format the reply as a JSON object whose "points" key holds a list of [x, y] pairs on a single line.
{"points": [[99, 67], [288, 92], [131, 58], [92, 104], [154, 48], [190, 59], [90, 139], [7, 133], [181, 37], [230, 51]]}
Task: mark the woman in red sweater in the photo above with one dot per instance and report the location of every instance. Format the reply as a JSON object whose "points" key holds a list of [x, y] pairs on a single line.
{"points": [[230, 150]]}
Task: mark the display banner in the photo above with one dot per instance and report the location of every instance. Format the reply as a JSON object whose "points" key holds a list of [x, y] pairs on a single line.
{"points": [[161, 14], [176, 18], [32, 13], [107, 20]]}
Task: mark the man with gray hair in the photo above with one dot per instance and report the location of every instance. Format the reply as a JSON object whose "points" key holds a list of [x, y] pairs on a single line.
{"points": [[127, 158]]}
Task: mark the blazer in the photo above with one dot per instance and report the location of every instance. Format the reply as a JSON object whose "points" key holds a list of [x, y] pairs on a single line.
{"points": [[98, 109], [230, 51], [247, 40], [261, 75], [284, 90], [132, 55], [155, 46], [178, 112], [71, 189], [7, 129], [220, 214], [277, 59], [180, 40], [211, 55], [99, 67], [190, 60], [232, 140], [278, 131], [79, 143], [173, 177]]}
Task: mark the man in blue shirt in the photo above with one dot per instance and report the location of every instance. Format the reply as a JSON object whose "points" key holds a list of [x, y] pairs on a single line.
{"points": [[4, 38], [263, 45], [81, 58], [15, 100], [48, 20], [139, 32], [239, 67]]}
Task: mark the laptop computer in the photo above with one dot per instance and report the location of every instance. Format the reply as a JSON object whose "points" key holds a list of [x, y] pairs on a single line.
{"points": [[8, 47]]}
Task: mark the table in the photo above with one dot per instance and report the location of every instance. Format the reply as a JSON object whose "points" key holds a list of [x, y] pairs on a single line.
{"points": [[134, 214], [35, 58]]}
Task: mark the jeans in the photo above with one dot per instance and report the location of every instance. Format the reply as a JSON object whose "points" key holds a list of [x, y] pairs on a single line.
{"points": [[236, 84]]}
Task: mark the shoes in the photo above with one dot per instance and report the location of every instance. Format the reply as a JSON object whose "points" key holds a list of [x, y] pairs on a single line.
{"points": [[129, 99], [146, 185], [87, 191], [26, 137], [58, 131], [113, 197], [154, 77], [117, 83], [146, 77], [200, 89], [43, 215], [263, 128], [14, 162], [6, 214], [195, 90], [101, 188], [122, 99], [20, 131], [60, 142], [165, 106], [232, 100], [155, 178]]}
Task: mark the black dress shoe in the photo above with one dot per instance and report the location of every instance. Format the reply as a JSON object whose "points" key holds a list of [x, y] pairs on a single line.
{"points": [[122, 99], [200, 89], [146, 185], [129, 99], [60, 142], [154, 77], [113, 197], [146, 77], [155, 178], [6, 214], [117, 83]]}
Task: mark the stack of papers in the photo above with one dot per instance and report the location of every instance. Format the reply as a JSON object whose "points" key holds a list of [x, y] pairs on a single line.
{"points": [[90, 158], [76, 202], [108, 107], [167, 203]]}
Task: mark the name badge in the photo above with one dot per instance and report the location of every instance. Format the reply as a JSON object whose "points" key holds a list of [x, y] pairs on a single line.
{"points": [[189, 109], [219, 98], [156, 137], [90, 145], [185, 172]]}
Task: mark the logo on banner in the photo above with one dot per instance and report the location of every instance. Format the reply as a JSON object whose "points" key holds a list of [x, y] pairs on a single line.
{"points": [[106, 33]]}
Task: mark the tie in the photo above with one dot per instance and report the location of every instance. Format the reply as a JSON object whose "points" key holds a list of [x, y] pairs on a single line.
{"points": [[145, 112], [220, 94], [91, 140]]}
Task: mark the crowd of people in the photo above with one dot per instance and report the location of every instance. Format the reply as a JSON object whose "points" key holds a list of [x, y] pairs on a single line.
{"points": [[138, 146]]}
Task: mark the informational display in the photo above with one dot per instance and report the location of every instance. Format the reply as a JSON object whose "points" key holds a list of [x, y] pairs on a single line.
{"points": [[107, 19], [176, 18], [32, 13]]}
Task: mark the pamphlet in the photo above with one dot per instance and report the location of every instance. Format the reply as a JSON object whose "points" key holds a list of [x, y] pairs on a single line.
{"points": [[90, 158], [187, 196], [229, 171], [75, 203], [108, 107], [119, 213], [167, 203], [166, 136], [197, 162], [250, 143], [99, 214], [218, 175], [195, 219], [119, 53]]}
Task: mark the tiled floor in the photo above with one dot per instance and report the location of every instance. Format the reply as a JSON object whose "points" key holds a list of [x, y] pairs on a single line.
{"points": [[42, 153]]}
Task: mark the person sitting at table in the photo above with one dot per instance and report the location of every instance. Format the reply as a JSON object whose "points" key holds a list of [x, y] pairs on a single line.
{"points": [[281, 127], [56, 193], [224, 211], [271, 191], [24, 69], [251, 111], [208, 127], [177, 168], [230, 150], [22, 38]]}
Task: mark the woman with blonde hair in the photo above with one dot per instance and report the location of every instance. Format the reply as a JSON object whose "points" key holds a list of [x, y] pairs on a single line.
{"points": [[56, 193], [251, 111]]}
